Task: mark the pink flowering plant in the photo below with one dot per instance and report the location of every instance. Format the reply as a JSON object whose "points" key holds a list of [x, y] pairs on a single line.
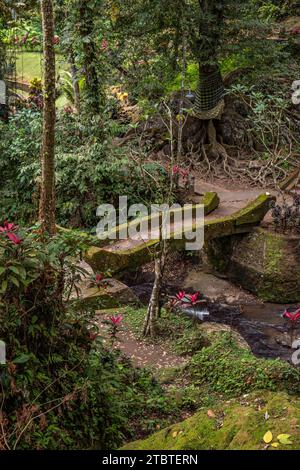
{"points": [[19, 258], [179, 172], [115, 325], [292, 316], [184, 300], [99, 280]]}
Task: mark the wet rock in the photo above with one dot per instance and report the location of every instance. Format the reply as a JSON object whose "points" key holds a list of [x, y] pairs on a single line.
{"points": [[266, 264], [114, 294], [215, 288], [287, 338]]}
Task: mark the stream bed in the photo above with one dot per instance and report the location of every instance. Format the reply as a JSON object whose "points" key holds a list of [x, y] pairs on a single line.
{"points": [[261, 325]]}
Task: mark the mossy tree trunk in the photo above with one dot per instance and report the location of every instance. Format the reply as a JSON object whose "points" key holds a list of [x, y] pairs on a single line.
{"points": [[47, 198], [75, 83], [94, 91]]}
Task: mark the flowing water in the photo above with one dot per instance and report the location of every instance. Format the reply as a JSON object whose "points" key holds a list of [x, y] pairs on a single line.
{"points": [[268, 334]]}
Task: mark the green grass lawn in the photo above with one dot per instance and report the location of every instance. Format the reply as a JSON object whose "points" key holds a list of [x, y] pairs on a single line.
{"points": [[29, 65]]}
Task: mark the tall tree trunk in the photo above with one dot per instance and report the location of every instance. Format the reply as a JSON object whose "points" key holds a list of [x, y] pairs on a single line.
{"points": [[47, 198], [211, 22], [74, 75], [94, 92]]}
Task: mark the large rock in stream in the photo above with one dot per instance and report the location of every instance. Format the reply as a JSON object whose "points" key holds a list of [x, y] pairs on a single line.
{"points": [[262, 262], [267, 264], [113, 295]]}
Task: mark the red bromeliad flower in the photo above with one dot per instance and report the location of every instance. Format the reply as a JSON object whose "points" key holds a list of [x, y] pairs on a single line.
{"points": [[116, 320], [179, 298], [186, 300], [293, 317], [98, 280], [194, 298], [181, 295], [8, 229]]}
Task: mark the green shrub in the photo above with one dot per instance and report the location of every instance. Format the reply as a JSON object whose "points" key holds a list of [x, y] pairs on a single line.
{"points": [[89, 171], [60, 387], [230, 370]]}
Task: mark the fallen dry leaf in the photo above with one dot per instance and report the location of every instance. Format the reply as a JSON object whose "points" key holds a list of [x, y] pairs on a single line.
{"points": [[268, 437], [211, 414]]}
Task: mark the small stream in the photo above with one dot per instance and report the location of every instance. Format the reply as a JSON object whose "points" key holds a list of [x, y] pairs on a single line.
{"points": [[262, 325]]}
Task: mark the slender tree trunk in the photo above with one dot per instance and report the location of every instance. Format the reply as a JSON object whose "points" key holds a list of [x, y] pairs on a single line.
{"points": [[47, 198], [182, 92], [154, 304], [74, 75]]}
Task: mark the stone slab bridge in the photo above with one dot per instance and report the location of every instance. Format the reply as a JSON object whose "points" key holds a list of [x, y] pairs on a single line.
{"points": [[221, 219]]}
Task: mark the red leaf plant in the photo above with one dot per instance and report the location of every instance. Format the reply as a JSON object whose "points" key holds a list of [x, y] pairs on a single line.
{"points": [[99, 280], [292, 316], [182, 299], [8, 230], [114, 323]]}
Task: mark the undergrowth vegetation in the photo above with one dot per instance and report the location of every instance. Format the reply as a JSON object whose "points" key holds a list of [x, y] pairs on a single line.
{"points": [[151, 100], [89, 172], [216, 363], [60, 387]]}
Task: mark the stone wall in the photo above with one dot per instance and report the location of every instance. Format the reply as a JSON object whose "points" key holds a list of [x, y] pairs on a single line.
{"points": [[263, 262]]}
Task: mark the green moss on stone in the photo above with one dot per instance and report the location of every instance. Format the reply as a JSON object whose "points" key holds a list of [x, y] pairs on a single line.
{"points": [[265, 264], [117, 260], [238, 425]]}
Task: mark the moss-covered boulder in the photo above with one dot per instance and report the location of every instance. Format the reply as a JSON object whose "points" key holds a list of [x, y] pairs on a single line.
{"points": [[238, 424], [267, 264], [113, 295]]}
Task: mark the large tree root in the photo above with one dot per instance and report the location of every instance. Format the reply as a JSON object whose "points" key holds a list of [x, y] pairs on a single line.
{"points": [[214, 159]]}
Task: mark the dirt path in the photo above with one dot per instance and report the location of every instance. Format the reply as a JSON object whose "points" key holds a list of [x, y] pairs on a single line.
{"points": [[142, 352]]}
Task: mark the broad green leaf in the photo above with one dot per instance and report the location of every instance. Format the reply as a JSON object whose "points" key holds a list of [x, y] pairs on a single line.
{"points": [[284, 439], [21, 359], [3, 286], [14, 281], [14, 269]]}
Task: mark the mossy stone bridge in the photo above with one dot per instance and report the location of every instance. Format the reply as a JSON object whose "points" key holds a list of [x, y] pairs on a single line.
{"points": [[117, 256]]}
